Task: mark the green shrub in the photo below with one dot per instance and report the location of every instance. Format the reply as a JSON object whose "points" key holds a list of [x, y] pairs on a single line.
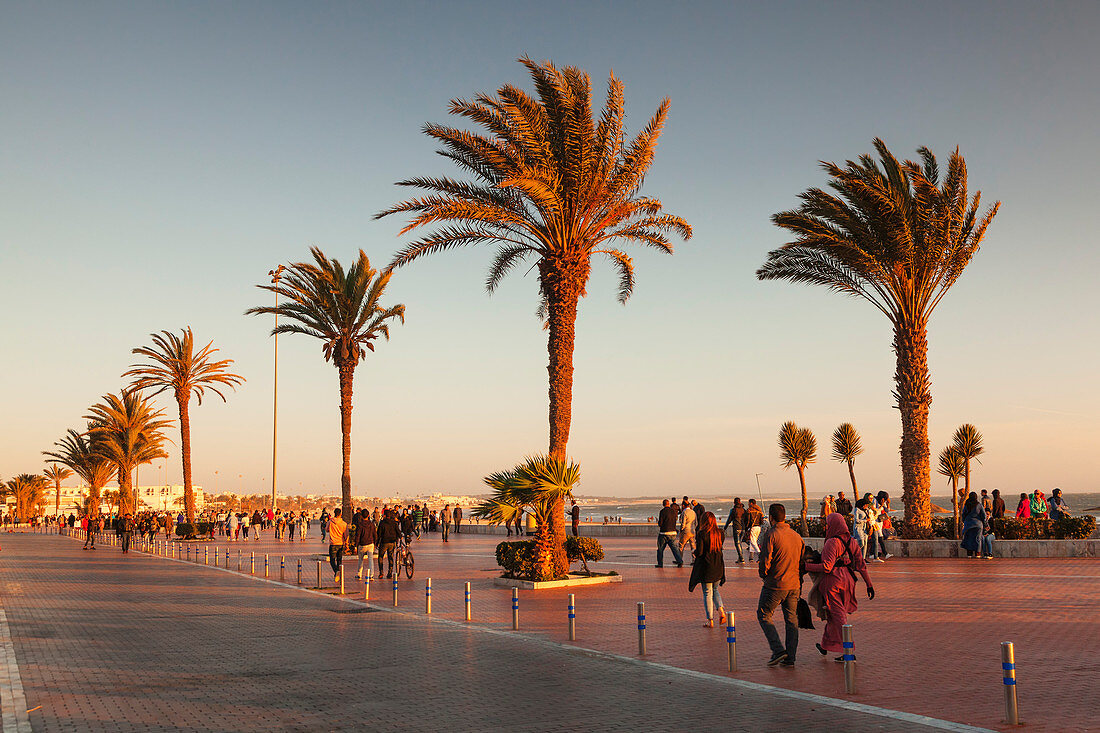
{"points": [[1074, 528], [589, 547], [517, 558], [185, 529]]}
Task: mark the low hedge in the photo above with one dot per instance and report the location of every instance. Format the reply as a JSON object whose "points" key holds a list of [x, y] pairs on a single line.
{"points": [[1010, 528], [184, 529], [518, 558]]}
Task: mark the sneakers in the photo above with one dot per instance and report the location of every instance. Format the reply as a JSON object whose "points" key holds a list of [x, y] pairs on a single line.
{"points": [[777, 658], [878, 559], [788, 662], [887, 556], [821, 649]]}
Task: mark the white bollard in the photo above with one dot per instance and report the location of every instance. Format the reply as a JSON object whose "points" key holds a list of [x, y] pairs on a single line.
{"points": [[1008, 668]]}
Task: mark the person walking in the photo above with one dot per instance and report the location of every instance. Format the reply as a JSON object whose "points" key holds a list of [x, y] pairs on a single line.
{"points": [[835, 587], [386, 536], [575, 517], [92, 529], [754, 520], [337, 541], [364, 541], [125, 527], [843, 505], [709, 569], [687, 527], [666, 535], [780, 555], [737, 519], [458, 519], [861, 523], [445, 518]]}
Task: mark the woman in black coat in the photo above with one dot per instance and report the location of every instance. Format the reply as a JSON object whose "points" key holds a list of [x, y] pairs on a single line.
{"points": [[709, 568]]}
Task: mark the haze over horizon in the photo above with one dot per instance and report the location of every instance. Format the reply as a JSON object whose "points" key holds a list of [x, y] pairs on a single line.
{"points": [[159, 160]]}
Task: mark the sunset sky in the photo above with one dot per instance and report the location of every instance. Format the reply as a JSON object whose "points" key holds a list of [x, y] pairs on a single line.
{"points": [[158, 159]]}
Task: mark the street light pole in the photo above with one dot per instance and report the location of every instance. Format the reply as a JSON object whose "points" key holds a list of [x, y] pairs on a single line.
{"points": [[758, 491], [275, 275]]}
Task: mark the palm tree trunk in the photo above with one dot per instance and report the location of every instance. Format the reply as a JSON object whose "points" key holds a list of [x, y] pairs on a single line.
{"points": [[347, 376], [955, 507], [852, 475], [562, 302], [805, 500], [914, 398], [57, 497], [185, 454], [125, 493]]}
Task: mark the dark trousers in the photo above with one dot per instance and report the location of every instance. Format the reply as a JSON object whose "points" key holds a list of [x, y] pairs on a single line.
{"points": [[336, 558], [770, 599], [574, 528], [446, 531], [90, 539], [125, 541], [458, 526], [386, 550], [664, 540]]}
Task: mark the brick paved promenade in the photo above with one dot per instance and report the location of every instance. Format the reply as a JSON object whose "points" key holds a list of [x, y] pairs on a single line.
{"points": [[107, 642]]}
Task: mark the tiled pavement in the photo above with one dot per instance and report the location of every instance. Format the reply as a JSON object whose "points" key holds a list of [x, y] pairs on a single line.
{"points": [[106, 642]]}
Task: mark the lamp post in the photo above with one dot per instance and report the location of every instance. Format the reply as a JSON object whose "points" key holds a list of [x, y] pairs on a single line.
{"points": [[275, 275], [758, 491]]}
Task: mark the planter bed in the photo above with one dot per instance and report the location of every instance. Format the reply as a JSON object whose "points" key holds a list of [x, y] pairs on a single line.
{"points": [[567, 582]]}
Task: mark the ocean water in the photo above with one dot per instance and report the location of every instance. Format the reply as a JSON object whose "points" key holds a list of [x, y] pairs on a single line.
{"points": [[642, 508]]}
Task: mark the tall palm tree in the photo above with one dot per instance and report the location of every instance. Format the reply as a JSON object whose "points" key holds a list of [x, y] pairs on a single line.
{"points": [[128, 432], [892, 234], [343, 309], [968, 442], [174, 364], [80, 452], [846, 446], [551, 187], [537, 485], [798, 448], [27, 490], [953, 466], [57, 474]]}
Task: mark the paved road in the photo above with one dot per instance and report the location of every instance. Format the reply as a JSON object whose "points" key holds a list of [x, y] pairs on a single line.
{"points": [[106, 642]]}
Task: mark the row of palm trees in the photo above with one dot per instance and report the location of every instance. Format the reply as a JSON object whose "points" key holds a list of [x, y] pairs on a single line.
{"points": [[125, 430]]}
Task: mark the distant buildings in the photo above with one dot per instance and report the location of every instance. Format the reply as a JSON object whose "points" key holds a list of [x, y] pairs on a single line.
{"points": [[155, 498]]}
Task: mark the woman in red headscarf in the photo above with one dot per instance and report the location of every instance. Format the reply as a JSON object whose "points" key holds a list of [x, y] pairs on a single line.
{"points": [[841, 559]]}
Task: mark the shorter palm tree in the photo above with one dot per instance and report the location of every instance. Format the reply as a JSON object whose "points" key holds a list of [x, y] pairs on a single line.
{"points": [[968, 442], [128, 432], [798, 448], [846, 446], [111, 497], [953, 466], [27, 489], [57, 474], [80, 452], [538, 485]]}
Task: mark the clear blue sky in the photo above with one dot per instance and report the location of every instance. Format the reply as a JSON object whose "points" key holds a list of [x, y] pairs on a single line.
{"points": [[158, 159]]}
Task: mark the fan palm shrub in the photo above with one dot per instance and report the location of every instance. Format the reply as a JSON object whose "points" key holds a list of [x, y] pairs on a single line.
{"points": [[896, 235], [57, 474], [953, 466], [174, 364], [846, 446], [128, 432], [551, 188], [798, 448], [80, 452], [343, 309], [539, 485], [968, 442]]}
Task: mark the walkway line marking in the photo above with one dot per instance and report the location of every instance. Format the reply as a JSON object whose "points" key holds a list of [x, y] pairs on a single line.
{"points": [[810, 697], [13, 701]]}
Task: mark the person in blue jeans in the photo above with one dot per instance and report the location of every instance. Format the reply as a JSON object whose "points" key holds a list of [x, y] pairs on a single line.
{"points": [[780, 554], [667, 533]]}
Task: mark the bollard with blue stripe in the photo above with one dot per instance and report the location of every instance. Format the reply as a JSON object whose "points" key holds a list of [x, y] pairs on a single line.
{"points": [[299, 571], [467, 600], [572, 618], [731, 641], [641, 628], [515, 609], [428, 596], [849, 659], [395, 591], [282, 568], [1008, 672]]}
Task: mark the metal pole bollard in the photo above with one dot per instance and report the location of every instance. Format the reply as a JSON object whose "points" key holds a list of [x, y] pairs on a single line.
{"points": [[849, 659], [366, 585], [428, 596], [341, 579], [468, 601], [572, 618], [206, 556], [189, 553], [395, 591], [238, 561], [641, 628], [319, 585], [1008, 666], [731, 641], [227, 558], [299, 572], [515, 609], [265, 565], [215, 557], [252, 563], [282, 568]]}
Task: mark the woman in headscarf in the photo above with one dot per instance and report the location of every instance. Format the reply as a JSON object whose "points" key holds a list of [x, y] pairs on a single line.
{"points": [[861, 522], [1023, 509], [709, 568], [1059, 509], [974, 521], [841, 559]]}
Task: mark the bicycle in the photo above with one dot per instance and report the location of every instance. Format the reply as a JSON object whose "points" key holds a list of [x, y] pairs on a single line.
{"points": [[403, 558]]}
